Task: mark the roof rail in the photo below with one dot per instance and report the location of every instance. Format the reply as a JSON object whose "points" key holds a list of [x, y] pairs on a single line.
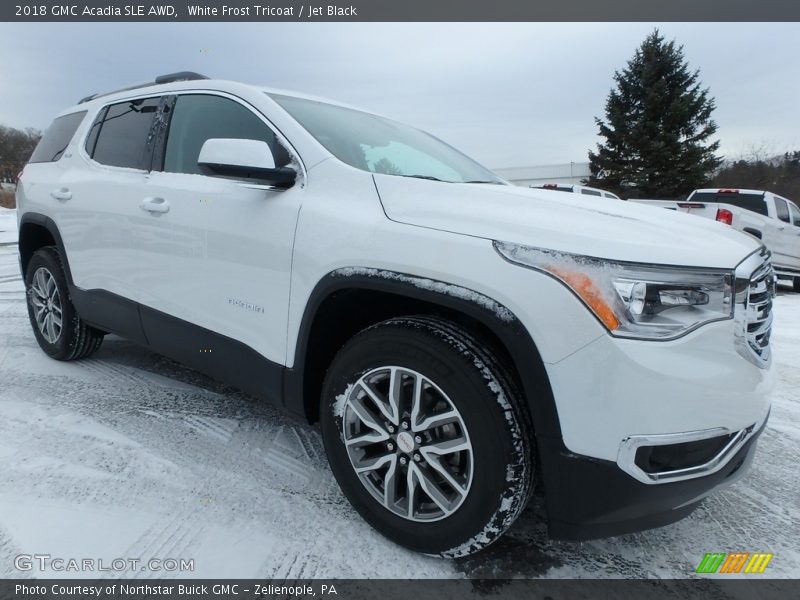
{"points": [[179, 76], [168, 78]]}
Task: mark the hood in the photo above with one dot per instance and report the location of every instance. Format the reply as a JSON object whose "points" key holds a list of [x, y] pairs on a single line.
{"points": [[567, 222]]}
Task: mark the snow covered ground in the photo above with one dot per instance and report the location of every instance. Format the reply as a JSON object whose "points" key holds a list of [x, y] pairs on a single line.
{"points": [[8, 225], [129, 455]]}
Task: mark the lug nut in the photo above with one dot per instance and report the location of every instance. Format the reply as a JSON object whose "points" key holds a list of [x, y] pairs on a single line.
{"points": [[405, 425], [403, 460], [418, 439], [390, 446], [390, 428], [417, 457]]}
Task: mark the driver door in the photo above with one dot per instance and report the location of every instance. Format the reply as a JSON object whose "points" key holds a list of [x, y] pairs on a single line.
{"points": [[222, 246]]}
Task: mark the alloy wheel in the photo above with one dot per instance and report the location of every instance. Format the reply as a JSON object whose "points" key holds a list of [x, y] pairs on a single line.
{"points": [[46, 302], [408, 443]]}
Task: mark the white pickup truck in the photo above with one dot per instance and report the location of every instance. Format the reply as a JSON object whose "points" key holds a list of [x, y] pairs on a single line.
{"points": [[767, 216]]}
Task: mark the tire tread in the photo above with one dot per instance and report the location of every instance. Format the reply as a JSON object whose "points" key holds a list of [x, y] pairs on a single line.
{"points": [[83, 339]]}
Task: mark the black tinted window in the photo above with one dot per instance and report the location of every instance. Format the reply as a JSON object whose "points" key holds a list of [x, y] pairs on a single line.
{"points": [[590, 193], [123, 134], [199, 117], [754, 202], [57, 137], [782, 210], [795, 216], [91, 139]]}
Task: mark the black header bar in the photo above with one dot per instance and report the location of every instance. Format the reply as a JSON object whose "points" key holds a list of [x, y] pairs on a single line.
{"points": [[753, 588], [402, 10]]}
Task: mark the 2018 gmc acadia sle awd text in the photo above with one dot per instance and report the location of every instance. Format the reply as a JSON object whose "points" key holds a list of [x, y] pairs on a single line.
{"points": [[462, 342]]}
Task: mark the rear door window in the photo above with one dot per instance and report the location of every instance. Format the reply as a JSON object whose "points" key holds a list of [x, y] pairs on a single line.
{"points": [[124, 134], [591, 193], [57, 137]]}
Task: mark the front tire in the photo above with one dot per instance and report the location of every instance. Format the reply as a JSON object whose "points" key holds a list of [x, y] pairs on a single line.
{"points": [[60, 332], [427, 436]]}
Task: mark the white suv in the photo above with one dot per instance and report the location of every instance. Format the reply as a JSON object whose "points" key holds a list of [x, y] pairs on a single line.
{"points": [[459, 339]]}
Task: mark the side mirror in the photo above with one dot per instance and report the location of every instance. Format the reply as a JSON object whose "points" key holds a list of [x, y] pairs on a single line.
{"points": [[243, 159]]}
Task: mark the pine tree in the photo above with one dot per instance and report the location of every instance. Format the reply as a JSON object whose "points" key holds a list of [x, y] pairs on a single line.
{"points": [[657, 127]]}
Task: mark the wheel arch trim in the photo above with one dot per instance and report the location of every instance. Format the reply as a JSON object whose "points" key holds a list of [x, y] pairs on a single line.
{"points": [[40, 220], [493, 315]]}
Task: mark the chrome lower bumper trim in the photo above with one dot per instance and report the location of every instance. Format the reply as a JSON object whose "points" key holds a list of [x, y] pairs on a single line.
{"points": [[626, 458]]}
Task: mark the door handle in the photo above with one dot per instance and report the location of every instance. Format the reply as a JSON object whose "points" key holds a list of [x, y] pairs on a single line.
{"points": [[61, 194], [155, 205]]}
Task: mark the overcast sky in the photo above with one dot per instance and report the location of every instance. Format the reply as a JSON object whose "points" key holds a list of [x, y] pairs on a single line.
{"points": [[509, 94]]}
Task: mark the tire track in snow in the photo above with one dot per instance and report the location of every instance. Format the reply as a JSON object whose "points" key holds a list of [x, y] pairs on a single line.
{"points": [[293, 562], [280, 452], [115, 373], [171, 540], [8, 550], [221, 429]]}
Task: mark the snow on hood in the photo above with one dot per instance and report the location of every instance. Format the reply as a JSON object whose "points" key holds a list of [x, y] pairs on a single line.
{"points": [[587, 225]]}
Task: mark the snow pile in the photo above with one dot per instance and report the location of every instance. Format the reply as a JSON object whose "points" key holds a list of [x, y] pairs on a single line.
{"points": [[8, 225]]}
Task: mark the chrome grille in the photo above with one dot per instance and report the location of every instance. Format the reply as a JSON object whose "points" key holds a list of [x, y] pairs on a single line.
{"points": [[753, 311]]}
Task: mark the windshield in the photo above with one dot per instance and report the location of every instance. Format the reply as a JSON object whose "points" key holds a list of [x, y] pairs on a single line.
{"points": [[379, 145]]}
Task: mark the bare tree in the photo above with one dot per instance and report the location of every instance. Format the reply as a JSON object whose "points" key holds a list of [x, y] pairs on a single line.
{"points": [[760, 171], [16, 146]]}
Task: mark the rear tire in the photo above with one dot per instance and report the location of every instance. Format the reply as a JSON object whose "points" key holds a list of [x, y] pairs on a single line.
{"points": [[60, 332], [443, 419]]}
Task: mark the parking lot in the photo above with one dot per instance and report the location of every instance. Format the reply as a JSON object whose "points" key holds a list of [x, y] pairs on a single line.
{"points": [[128, 454]]}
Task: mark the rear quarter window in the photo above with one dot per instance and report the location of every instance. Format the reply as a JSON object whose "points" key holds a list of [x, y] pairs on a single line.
{"points": [[57, 137]]}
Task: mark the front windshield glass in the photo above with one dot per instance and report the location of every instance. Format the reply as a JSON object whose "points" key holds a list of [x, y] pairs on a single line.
{"points": [[379, 145]]}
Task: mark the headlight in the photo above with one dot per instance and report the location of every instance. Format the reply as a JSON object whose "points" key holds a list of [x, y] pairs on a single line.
{"points": [[635, 300]]}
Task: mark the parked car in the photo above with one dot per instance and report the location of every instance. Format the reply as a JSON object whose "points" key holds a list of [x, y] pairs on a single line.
{"points": [[576, 189], [461, 341], [771, 218]]}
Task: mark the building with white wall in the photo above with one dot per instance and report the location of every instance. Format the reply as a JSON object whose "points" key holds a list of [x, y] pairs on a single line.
{"points": [[573, 172]]}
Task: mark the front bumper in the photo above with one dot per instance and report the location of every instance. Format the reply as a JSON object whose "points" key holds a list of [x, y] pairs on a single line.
{"points": [[589, 498], [647, 429], [613, 389]]}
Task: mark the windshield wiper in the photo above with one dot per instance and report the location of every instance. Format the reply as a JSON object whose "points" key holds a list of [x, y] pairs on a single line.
{"points": [[482, 181], [431, 177]]}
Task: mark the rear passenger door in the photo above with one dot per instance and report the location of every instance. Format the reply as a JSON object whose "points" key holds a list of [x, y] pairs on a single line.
{"points": [[225, 245], [102, 221]]}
